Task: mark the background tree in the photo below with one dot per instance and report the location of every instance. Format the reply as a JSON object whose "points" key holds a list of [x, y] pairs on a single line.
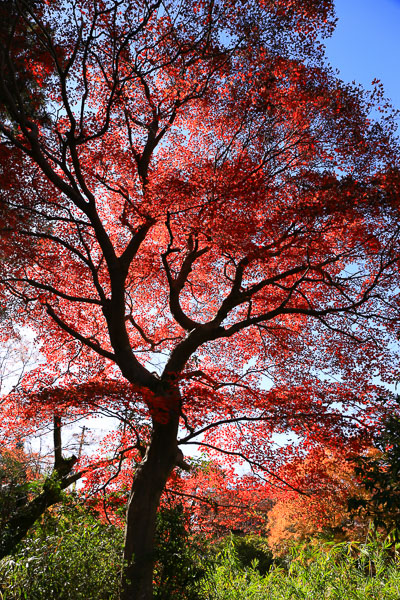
{"points": [[62, 464], [327, 479], [16, 471], [206, 213], [378, 470], [24, 500]]}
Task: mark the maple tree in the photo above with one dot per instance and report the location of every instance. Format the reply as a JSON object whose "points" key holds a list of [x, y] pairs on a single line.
{"points": [[328, 480], [200, 222]]}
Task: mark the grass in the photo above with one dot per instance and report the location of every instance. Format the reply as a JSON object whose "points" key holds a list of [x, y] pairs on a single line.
{"points": [[342, 571]]}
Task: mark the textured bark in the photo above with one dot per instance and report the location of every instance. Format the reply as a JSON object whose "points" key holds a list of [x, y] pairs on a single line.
{"points": [[149, 482]]}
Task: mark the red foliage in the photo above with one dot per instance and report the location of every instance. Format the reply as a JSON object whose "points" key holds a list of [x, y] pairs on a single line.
{"points": [[203, 229]]}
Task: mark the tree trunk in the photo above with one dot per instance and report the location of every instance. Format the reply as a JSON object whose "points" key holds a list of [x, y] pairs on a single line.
{"points": [[148, 485]]}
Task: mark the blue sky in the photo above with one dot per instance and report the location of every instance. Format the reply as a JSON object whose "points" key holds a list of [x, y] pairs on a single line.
{"points": [[366, 43]]}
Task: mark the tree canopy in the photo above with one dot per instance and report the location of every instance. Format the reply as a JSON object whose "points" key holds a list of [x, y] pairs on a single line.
{"points": [[200, 223]]}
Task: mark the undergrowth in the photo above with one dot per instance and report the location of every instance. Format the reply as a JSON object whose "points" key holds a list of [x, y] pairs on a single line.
{"points": [[317, 570]]}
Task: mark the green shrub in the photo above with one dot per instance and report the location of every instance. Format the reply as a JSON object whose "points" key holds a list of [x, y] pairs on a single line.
{"points": [[14, 482], [179, 561], [69, 555], [253, 550], [72, 555], [318, 571]]}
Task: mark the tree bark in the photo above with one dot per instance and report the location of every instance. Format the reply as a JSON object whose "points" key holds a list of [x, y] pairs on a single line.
{"points": [[148, 484]]}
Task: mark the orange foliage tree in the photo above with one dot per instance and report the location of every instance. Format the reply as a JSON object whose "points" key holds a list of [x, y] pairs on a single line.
{"points": [[203, 215], [327, 481]]}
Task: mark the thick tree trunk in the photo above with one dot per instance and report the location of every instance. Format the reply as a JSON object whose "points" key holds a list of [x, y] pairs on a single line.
{"points": [[148, 485]]}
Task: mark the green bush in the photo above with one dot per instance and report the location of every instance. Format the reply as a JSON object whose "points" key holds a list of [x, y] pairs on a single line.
{"points": [[380, 475], [72, 555], [69, 555], [319, 571], [14, 482], [179, 560], [253, 550]]}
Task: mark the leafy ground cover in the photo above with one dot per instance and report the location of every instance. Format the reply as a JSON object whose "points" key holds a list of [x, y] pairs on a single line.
{"points": [[71, 555], [317, 570], [74, 556]]}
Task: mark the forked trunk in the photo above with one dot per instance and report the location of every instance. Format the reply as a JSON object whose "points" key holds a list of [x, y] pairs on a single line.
{"points": [[147, 487]]}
